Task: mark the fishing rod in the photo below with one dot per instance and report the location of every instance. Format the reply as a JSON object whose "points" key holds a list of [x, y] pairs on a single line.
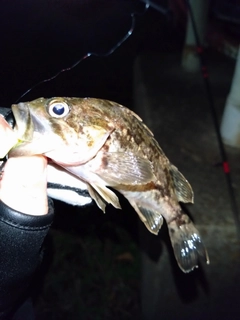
{"points": [[225, 163]]}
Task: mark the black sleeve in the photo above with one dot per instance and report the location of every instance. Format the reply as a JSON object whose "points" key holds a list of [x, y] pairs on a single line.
{"points": [[21, 240]]}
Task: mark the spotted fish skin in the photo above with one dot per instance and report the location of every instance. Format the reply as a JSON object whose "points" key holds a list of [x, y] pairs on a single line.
{"points": [[107, 145]]}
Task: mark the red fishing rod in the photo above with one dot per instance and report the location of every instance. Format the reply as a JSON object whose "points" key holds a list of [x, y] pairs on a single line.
{"points": [[224, 162]]}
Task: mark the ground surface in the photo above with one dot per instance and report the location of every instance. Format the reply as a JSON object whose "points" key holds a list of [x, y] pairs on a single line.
{"points": [[175, 106]]}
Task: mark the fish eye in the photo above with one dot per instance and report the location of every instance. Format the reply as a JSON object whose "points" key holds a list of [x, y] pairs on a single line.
{"points": [[58, 109]]}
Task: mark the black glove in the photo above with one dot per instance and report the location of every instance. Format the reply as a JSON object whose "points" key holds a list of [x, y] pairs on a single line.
{"points": [[21, 243]]}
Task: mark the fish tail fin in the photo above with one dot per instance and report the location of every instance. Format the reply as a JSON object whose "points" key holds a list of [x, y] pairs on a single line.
{"points": [[187, 244]]}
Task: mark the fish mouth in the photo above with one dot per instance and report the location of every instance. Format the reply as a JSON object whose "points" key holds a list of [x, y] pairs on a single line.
{"points": [[34, 131], [10, 119], [25, 122]]}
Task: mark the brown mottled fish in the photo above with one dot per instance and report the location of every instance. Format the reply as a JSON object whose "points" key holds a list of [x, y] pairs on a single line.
{"points": [[107, 145]]}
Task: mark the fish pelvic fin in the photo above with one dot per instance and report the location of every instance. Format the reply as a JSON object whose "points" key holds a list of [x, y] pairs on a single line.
{"points": [[187, 244], [153, 220], [102, 195], [101, 203], [183, 188]]}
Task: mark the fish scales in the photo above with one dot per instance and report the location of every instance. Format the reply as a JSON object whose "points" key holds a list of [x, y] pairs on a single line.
{"points": [[107, 145], [131, 135]]}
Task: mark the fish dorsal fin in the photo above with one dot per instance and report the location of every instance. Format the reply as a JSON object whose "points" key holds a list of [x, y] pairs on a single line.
{"points": [[153, 220], [101, 194], [125, 168], [183, 188]]}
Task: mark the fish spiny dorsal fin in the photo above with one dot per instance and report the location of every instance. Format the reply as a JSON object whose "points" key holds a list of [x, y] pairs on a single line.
{"points": [[153, 220], [183, 189]]}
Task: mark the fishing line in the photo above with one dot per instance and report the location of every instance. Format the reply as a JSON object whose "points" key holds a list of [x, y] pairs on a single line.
{"points": [[225, 163], [90, 54]]}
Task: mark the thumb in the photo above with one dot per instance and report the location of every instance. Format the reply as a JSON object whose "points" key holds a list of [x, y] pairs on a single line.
{"points": [[23, 186]]}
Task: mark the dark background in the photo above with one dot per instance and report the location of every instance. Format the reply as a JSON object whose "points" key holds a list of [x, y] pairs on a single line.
{"points": [[39, 38], [93, 265]]}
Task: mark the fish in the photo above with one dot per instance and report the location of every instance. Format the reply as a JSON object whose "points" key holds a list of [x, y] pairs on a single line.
{"points": [[109, 148]]}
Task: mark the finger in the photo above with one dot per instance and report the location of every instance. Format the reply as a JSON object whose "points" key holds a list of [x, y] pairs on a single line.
{"points": [[23, 186], [8, 138]]}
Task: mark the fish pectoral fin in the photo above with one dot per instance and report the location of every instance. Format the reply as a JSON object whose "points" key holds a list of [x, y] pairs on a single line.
{"points": [[152, 220], [183, 188], [106, 195], [126, 168], [97, 198], [187, 244]]}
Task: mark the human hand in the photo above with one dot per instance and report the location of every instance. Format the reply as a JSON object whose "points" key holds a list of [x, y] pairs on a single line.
{"points": [[8, 138], [23, 185]]}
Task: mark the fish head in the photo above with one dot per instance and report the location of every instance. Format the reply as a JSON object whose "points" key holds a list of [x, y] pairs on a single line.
{"points": [[40, 126], [59, 128]]}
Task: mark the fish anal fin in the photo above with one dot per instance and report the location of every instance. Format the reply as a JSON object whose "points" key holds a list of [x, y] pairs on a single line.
{"points": [[125, 168], [152, 220], [187, 244], [183, 188]]}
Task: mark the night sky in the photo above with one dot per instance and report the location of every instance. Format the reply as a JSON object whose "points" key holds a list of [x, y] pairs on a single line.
{"points": [[39, 38]]}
